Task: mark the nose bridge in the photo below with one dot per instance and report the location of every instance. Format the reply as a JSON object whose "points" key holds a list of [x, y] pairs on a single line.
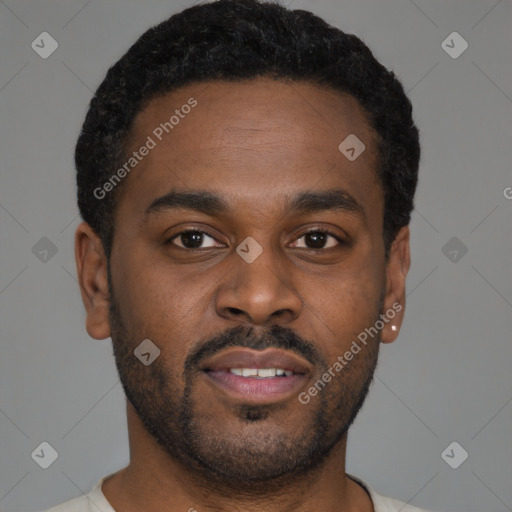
{"points": [[259, 268], [258, 287]]}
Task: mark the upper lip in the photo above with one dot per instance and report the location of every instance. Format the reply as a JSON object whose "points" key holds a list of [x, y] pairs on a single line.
{"points": [[247, 358]]}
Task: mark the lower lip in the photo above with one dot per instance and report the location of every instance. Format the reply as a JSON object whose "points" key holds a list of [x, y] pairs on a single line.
{"points": [[260, 390]]}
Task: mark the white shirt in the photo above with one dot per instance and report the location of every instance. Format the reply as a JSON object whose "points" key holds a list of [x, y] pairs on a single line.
{"points": [[96, 501]]}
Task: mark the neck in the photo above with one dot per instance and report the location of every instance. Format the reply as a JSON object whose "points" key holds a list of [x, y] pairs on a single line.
{"points": [[155, 481]]}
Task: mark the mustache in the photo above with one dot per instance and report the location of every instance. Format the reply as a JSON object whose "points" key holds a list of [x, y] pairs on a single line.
{"points": [[275, 337]]}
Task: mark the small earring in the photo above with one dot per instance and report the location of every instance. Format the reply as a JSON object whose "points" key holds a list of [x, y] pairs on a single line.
{"points": [[394, 328]]}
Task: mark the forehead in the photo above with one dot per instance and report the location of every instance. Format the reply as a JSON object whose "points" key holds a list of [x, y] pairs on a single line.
{"points": [[252, 141]]}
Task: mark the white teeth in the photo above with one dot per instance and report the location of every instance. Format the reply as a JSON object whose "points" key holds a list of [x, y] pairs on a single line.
{"points": [[261, 373], [267, 372]]}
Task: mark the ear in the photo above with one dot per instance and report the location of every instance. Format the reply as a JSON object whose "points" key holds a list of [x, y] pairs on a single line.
{"points": [[396, 273], [91, 265]]}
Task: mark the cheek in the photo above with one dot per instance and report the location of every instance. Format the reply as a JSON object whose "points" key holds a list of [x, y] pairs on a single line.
{"points": [[158, 300], [340, 308], [147, 296]]}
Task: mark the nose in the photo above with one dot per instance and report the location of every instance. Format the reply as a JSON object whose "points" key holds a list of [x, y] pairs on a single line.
{"points": [[258, 293]]}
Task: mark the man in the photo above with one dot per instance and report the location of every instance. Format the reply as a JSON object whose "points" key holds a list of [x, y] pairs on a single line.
{"points": [[246, 175]]}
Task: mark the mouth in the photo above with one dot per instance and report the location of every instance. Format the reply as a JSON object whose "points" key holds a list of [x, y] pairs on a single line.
{"points": [[257, 376]]}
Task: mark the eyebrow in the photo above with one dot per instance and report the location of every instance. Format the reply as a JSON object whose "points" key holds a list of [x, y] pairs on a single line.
{"points": [[212, 204]]}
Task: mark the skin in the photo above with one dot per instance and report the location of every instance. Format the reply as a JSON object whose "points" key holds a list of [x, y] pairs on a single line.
{"points": [[255, 144]]}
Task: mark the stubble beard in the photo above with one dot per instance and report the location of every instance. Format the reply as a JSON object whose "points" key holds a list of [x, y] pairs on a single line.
{"points": [[264, 454]]}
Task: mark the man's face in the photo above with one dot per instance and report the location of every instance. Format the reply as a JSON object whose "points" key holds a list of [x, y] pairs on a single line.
{"points": [[257, 146]]}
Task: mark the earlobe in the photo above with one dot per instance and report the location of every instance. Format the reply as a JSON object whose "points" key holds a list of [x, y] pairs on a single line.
{"points": [[91, 264], [396, 273]]}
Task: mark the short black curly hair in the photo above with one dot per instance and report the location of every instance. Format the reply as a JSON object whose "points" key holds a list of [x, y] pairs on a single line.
{"points": [[236, 40]]}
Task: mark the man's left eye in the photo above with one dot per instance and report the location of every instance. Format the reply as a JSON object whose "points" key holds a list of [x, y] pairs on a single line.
{"points": [[317, 240]]}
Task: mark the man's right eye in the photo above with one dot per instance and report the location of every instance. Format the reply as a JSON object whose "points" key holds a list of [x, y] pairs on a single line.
{"points": [[192, 239]]}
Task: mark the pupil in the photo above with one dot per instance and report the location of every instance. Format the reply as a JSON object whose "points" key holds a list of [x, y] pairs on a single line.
{"points": [[193, 238], [317, 238]]}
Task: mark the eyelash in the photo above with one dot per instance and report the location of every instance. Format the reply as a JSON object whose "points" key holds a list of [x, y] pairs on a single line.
{"points": [[326, 231]]}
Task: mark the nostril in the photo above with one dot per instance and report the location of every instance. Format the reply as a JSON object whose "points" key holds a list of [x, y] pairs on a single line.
{"points": [[235, 311]]}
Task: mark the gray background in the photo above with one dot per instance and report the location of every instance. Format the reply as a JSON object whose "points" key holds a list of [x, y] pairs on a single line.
{"points": [[446, 378]]}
